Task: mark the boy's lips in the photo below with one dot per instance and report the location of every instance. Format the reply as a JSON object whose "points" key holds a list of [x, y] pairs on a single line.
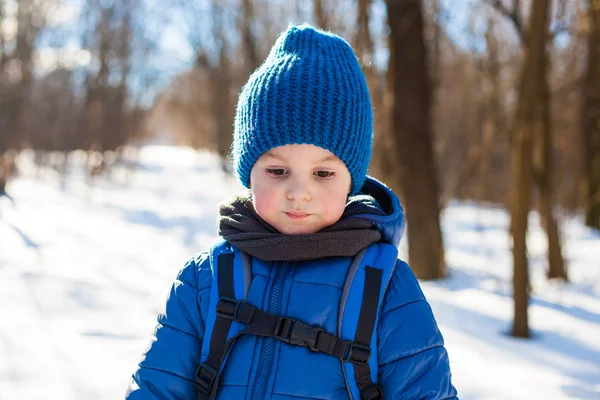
{"points": [[297, 215]]}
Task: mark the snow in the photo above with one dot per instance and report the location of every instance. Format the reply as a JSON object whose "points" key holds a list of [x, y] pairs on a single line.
{"points": [[84, 270]]}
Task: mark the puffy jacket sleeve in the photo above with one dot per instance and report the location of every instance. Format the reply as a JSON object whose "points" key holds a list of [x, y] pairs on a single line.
{"points": [[413, 363], [167, 368]]}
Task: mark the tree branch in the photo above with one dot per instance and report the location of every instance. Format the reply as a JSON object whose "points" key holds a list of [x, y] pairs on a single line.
{"points": [[513, 15]]}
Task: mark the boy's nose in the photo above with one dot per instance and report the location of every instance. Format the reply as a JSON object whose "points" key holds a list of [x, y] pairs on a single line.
{"points": [[299, 190]]}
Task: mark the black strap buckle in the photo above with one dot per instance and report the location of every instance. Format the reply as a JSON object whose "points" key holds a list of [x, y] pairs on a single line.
{"points": [[357, 353], [373, 392], [205, 378], [228, 307], [296, 332]]}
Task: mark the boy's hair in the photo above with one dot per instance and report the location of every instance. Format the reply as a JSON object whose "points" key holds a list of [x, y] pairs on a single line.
{"points": [[310, 89]]}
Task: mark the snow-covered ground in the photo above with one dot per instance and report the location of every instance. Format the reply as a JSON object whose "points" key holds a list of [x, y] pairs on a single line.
{"points": [[83, 273]]}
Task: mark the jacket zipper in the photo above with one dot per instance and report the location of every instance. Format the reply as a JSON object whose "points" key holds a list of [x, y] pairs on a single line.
{"points": [[268, 347]]}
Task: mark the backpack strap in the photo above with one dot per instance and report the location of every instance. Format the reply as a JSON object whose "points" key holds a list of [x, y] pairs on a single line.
{"points": [[230, 281], [288, 330], [364, 334], [359, 315], [207, 371]]}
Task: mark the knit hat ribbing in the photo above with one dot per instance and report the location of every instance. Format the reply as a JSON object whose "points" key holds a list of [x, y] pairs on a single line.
{"points": [[310, 89]]}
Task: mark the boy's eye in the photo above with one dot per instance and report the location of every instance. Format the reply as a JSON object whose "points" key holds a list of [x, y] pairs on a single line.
{"points": [[325, 174], [276, 171]]}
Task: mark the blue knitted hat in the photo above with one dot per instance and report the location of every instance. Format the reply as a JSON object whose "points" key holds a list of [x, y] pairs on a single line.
{"points": [[311, 90]]}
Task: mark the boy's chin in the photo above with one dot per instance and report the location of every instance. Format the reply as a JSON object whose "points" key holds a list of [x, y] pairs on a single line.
{"points": [[297, 230]]}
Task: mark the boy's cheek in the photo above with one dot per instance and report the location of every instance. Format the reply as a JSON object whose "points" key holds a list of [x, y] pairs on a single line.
{"points": [[265, 201], [334, 208]]}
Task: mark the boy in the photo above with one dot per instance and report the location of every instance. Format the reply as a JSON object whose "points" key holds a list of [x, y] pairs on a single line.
{"points": [[305, 297]]}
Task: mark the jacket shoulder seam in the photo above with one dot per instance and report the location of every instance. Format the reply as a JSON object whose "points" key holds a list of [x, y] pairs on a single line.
{"points": [[165, 372], [179, 330], [396, 359], [384, 312]]}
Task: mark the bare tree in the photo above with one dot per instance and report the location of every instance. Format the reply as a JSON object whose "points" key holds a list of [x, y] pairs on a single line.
{"points": [[363, 42], [248, 39], [591, 120], [412, 138], [3, 116], [108, 114], [436, 43], [567, 84], [321, 15], [527, 122], [3, 55], [513, 13], [543, 170], [542, 141], [16, 77], [364, 48], [493, 120], [97, 85]]}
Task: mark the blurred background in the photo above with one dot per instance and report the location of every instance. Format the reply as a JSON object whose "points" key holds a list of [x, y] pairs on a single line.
{"points": [[115, 127]]}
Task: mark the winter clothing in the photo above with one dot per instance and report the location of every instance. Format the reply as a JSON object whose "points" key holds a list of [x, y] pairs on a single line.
{"points": [[242, 227], [310, 89], [411, 359]]}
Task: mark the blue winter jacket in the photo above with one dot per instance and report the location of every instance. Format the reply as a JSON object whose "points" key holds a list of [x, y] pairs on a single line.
{"points": [[412, 360]]}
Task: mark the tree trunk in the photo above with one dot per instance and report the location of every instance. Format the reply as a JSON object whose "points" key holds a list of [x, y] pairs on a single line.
{"points": [[542, 147], [522, 159], [321, 15], [3, 55], [591, 122], [384, 158], [364, 49], [412, 138], [543, 175], [27, 32], [493, 123], [3, 102], [223, 106], [248, 40], [3, 173], [363, 44], [222, 81], [436, 67]]}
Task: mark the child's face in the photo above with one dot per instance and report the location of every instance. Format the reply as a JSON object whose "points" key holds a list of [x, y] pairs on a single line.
{"points": [[299, 188]]}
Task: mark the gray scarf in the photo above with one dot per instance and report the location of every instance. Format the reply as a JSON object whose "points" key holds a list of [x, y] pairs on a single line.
{"points": [[242, 227]]}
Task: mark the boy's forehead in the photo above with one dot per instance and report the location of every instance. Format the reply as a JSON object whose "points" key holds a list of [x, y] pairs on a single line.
{"points": [[303, 150]]}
